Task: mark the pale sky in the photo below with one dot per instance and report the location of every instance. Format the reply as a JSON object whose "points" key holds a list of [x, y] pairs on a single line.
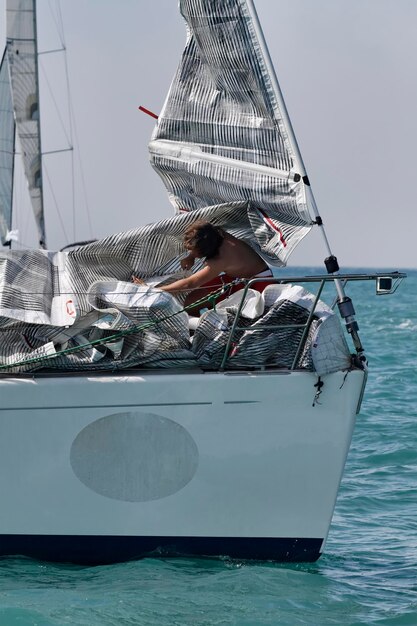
{"points": [[348, 72]]}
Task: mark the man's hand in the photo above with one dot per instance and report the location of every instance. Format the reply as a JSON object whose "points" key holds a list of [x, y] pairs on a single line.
{"points": [[137, 280]]}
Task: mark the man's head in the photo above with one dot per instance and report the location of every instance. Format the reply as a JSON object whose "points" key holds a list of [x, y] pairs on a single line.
{"points": [[203, 239]]}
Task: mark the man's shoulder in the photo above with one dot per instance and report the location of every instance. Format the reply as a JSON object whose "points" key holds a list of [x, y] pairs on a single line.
{"points": [[216, 264]]}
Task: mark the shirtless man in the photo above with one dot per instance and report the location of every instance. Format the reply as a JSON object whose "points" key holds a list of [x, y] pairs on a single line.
{"points": [[224, 255]]}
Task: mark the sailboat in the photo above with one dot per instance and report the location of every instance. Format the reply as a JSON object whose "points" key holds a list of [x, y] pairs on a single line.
{"points": [[125, 434]]}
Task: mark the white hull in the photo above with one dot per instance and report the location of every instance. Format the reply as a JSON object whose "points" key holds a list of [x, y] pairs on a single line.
{"points": [[99, 468]]}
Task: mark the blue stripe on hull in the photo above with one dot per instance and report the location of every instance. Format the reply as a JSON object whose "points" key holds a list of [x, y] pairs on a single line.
{"points": [[98, 550]]}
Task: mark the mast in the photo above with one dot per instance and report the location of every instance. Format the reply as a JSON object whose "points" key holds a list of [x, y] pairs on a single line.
{"points": [[24, 76], [7, 151], [9, 242], [42, 238]]}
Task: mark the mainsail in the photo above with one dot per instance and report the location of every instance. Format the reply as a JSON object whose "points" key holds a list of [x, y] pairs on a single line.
{"points": [[21, 49], [7, 134], [223, 135]]}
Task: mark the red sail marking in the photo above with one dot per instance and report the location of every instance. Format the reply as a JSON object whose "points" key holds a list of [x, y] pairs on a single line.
{"points": [[273, 226], [141, 108]]}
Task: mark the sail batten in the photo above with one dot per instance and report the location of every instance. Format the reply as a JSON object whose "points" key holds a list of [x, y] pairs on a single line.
{"points": [[23, 63], [193, 153], [223, 107]]}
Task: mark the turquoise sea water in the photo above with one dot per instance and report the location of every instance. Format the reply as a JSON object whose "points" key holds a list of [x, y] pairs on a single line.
{"points": [[368, 574]]}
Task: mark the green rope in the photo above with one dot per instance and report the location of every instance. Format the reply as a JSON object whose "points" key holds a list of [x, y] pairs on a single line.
{"points": [[210, 298]]}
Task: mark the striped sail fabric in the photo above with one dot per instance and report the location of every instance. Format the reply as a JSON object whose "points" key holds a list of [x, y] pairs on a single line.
{"points": [[221, 136], [53, 302], [34, 281], [6, 150], [22, 56]]}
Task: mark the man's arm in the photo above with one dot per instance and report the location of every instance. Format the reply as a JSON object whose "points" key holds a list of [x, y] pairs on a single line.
{"points": [[193, 282]]}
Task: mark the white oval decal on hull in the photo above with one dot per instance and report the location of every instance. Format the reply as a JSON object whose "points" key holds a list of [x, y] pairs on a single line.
{"points": [[134, 456]]}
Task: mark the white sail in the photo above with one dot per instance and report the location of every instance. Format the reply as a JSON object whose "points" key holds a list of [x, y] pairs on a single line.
{"points": [[223, 135], [7, 129], [23, 63]]}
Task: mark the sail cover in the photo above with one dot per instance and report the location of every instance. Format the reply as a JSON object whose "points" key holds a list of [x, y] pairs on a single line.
{"points": [[6, 151], [222, 135], [23, 62]]}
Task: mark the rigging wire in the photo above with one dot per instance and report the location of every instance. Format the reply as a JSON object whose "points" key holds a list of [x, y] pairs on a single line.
{"points": [[73, 130], [58, 23], [51, 94], [56, 203], [69, 129], [70, 117]]}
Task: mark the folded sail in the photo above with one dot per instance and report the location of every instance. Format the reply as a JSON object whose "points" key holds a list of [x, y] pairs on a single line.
{"points": [[23, 62], [221, 136], [6, 151]]}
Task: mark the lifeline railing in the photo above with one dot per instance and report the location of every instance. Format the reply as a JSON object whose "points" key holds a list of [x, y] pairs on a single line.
{"points": [[386, 283]]}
